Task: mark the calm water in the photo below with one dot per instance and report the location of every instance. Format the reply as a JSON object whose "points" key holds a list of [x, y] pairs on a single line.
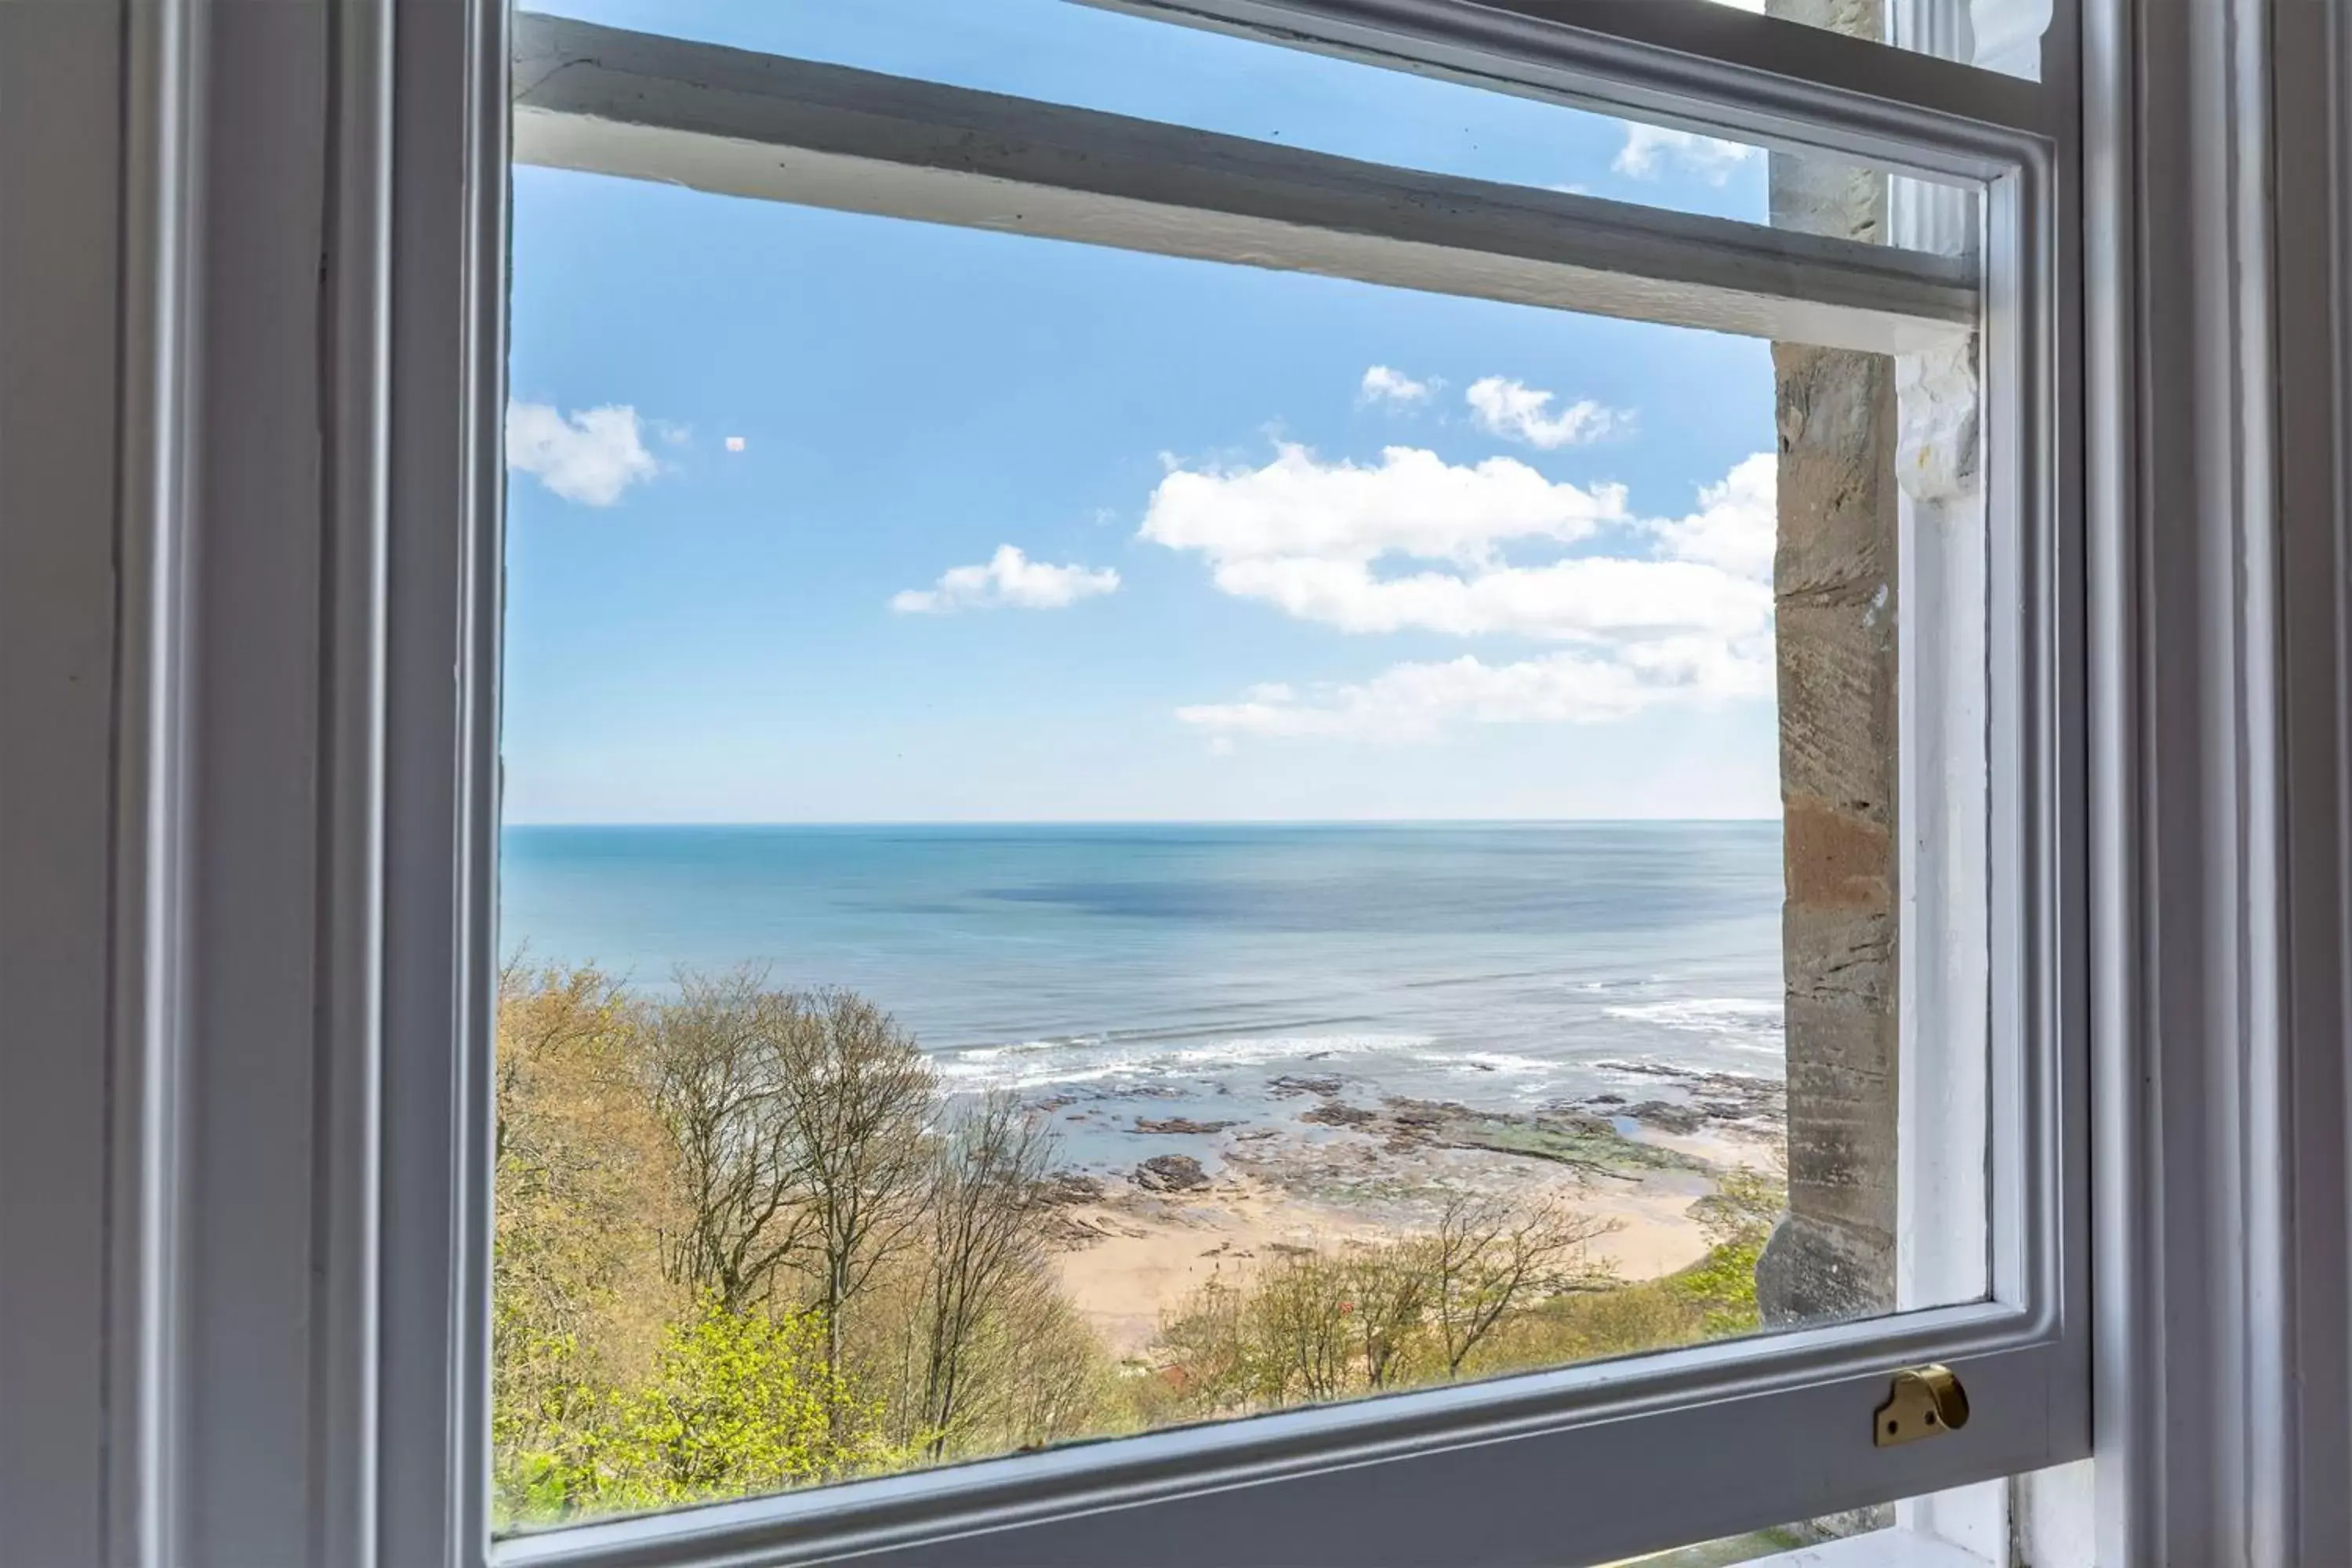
{"points": [[1492, 963]]}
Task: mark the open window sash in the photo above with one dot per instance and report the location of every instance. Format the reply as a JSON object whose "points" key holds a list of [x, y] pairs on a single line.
{"points": [[1579, 1464]]}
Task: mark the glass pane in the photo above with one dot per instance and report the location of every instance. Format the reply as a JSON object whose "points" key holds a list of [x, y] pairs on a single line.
{"points": [[1771, 1546], [1066, 52], [2004, 37], [1095, 840]]}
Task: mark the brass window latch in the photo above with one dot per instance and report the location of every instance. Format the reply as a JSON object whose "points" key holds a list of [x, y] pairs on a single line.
{"points": [[1926, 1401]]}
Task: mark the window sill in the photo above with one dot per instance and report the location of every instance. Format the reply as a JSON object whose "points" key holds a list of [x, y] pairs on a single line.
{"points": [[1897, 1548]]}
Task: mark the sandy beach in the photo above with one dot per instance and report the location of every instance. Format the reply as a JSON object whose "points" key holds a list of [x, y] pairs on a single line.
{"points": [[1134, 1243]]}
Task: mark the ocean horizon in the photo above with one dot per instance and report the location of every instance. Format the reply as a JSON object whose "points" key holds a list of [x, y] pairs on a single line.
{"points": [[1107, 970]]}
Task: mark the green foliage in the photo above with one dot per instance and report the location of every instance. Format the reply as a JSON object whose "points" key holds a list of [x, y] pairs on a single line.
{"points": [[1036, 1373], [1743, 1209], [546, 1419], [739, 1403], [1212, 1358], [1721, 1286], [1303, 1328], [1720, 1289], [743, 1246], [1307, 1327], [736, 1404], [1714, 1298]]}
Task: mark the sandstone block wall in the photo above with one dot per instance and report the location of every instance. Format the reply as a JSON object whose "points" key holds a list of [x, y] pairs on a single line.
{"points": [[1834, 593]]}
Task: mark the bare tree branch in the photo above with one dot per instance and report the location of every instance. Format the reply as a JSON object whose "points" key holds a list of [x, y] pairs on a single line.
{"points": [[984, 1238]]}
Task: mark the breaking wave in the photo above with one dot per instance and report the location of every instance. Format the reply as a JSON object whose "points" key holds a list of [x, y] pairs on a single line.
{"points": [[1094, 1058], [1741, 1023]]}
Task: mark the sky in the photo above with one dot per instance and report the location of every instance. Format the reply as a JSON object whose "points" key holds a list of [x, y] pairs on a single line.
{"points": [[825, 517]]}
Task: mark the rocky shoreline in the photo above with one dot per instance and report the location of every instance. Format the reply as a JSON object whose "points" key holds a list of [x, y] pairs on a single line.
{"points": [[1606, 1133], [1352, 1163]]}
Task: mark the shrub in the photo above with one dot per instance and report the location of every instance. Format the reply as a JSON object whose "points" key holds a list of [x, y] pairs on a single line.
{"points": [[739, 1403], [736, 1404]]}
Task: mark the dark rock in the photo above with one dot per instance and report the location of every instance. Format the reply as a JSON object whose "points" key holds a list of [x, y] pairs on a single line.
{"points": [[1723, 1097], [1290, 1084], [1561, 1134], [1170, 1173], [1331, 1113], [1064, 1187], [1066, 1233], [1180, 1124], [1669, 1118]]}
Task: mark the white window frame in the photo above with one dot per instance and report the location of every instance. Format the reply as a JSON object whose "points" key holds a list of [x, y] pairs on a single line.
{"points": [[726, 121], [298, 765]]}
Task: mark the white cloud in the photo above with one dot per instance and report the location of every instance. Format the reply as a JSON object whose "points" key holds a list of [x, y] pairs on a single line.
{"points": [[1007, 579], [1651, 148], [1687, 619], [1381, 384], [735, 442], [1306, 537], [1518, 412], [591, 457], [1417, 703], [1414, 503], [1648, 148], [1586, 597], [1737, 524]]}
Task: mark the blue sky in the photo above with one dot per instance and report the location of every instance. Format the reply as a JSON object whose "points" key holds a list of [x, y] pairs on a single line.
{"points": [[820, 517]]}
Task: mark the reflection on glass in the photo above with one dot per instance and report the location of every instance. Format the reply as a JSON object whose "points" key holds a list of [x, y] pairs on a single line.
{"points": [[1070, 53], [1097, 841]]}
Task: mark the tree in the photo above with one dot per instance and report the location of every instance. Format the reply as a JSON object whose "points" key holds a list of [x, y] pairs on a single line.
{"points": [[721, 1062], [582, 1184], [1299, 1311], [1043, 1373], [1304, 1327], [580, 1170], [1387, 1289], [984, 1213], [699, 1195], [739, 1403], [859, 1096], [1309, 1326], [1208, 1341], [1491, 1256], [551, 1019]]}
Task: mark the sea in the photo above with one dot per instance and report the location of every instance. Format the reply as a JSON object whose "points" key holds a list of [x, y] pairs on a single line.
{"points": [[1108, 971]]}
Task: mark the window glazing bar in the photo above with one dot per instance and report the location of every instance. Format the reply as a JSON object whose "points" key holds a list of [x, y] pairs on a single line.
{"points": [[1783, 83], [745, 124]]}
